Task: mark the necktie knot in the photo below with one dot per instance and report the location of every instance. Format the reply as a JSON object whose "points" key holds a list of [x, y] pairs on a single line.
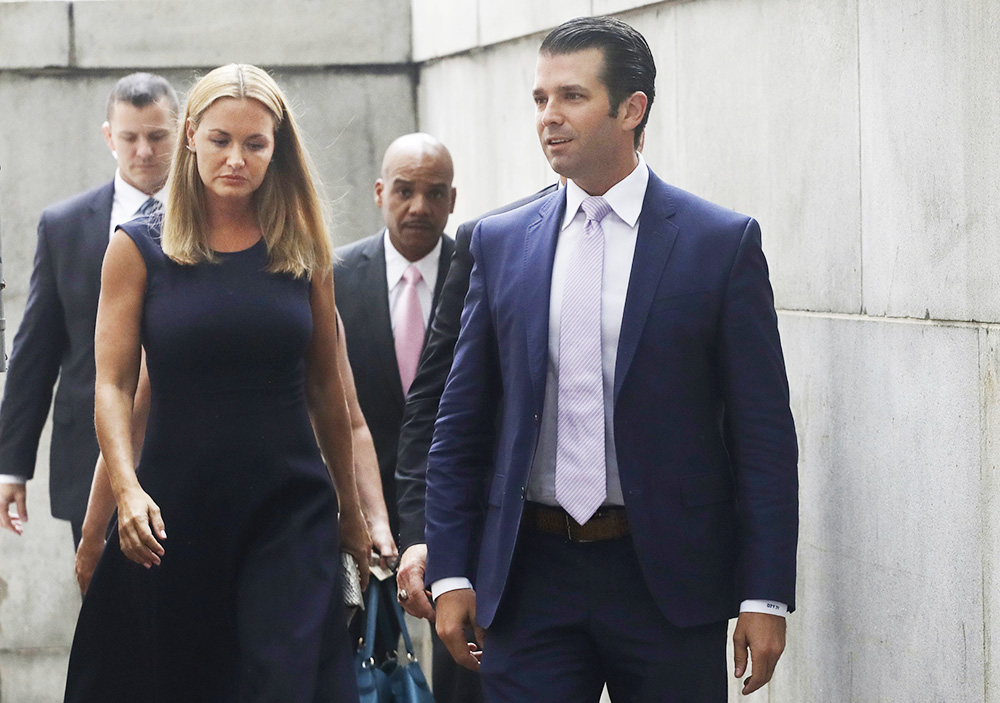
{"points": [[595, 208], [411, 275], [152, 206]]}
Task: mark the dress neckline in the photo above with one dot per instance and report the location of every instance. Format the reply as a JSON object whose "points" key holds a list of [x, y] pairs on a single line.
{"points": [[250, 248]]}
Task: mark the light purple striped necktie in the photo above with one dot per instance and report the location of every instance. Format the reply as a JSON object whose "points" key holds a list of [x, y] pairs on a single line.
{"points": [[581, 474]]}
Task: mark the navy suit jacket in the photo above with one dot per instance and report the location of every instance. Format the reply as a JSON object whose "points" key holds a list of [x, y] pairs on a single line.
{"points": [[56, 339], [704, 436], [363, 302]]}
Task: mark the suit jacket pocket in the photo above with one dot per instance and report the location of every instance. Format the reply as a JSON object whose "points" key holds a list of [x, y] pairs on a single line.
{"points": [[705, 489]]}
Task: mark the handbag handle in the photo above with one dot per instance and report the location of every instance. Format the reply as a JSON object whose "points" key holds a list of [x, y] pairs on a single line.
{"points": [[402, 628], [368, 651]]}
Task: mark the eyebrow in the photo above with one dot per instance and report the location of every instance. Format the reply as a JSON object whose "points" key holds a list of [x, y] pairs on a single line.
{"points": [[252, 136]]}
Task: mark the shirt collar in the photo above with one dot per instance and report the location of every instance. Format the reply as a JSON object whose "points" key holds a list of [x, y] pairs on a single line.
{"points": [[625, 197], [131, 198], [396, 263]]}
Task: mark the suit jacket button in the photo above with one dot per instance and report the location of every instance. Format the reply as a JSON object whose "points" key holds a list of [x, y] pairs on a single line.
{"points": [[523, 492]]}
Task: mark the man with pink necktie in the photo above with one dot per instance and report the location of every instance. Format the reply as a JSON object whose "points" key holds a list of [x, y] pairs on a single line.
{"points": [[387, 288]]}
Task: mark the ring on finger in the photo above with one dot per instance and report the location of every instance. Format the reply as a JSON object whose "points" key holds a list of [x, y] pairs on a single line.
{"points": [[402, 595]]}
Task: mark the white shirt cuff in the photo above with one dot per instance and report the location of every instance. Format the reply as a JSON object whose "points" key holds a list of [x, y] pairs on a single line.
{"points": [[453, 583], [11, 478], [771, 607]]}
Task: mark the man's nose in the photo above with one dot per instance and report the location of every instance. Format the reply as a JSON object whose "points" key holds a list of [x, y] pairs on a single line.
{"points": [[551, 114], [420, 204], [145, 149]]}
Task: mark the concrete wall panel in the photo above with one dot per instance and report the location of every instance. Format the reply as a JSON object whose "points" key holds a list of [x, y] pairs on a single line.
{"points": [[348, 121], [989, 351], [480, 107], [930, 110], [501, 21], [34, 34], [891, 550], [116, 33], [442, 27], [767, 123]]}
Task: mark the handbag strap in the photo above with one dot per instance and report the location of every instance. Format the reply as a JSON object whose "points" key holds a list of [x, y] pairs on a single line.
{"points": [[368, 650], [402, 628]]}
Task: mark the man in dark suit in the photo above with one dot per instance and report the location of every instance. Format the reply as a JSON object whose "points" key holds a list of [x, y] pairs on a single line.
{"points": [[639, 487], [452, 685], [387, 287], [56, 335]]}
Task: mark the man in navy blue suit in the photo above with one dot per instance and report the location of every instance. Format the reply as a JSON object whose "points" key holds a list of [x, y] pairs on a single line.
{"points": [[613, 472], [56, 336]]}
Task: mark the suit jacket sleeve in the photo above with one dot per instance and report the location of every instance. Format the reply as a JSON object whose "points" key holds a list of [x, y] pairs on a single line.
{"points": [[34, 365], [425, 393], [460, 459], [760, 429]]}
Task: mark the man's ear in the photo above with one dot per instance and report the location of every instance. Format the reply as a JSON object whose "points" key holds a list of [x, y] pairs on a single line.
{"points": [[379, 186], [454, 195], [633, 109], [106, 131]]}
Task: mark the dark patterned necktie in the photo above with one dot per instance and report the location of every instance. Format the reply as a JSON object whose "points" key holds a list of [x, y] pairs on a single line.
{"points": [[152, 206]]}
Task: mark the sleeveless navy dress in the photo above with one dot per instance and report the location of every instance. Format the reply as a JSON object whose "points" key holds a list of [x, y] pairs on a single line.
{"points": [[246, 605]]}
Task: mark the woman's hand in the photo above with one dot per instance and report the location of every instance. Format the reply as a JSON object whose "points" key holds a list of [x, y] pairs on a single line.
{"points": [[87, 555], [355, 540], [138, 519]]}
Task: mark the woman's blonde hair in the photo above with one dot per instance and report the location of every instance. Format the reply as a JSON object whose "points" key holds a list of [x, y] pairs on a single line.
{"points": [[287, 203]]}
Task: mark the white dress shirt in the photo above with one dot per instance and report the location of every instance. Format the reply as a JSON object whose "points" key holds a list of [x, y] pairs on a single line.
{"points": [[396, 264], [127, 201]]}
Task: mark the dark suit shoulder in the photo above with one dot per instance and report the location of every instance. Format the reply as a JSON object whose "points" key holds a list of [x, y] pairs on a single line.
{"points": [[464, 231], [72, 208], [685, 204], [350, 253]]}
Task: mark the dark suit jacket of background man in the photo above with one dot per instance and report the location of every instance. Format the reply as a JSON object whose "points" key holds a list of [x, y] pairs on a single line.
{"points": [[704, 436], [363, 301], [425, 392], [56, 339]]}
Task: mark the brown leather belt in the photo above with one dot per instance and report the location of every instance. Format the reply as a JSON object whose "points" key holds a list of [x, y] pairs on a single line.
{"points": [[606, 523]]}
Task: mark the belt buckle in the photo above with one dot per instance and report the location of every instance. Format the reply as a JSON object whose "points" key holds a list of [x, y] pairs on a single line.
{"points": [[573, 529]]}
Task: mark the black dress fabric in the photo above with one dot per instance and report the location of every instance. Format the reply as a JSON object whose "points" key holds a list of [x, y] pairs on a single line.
{"points": [[246, 605]]}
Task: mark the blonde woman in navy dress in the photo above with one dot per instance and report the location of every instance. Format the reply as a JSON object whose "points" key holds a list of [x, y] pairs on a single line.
{"points": [[231, 296]]}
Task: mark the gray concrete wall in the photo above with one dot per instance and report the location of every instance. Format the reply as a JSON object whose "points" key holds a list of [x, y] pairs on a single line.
{"points": [[863, 136], [346, 68]]}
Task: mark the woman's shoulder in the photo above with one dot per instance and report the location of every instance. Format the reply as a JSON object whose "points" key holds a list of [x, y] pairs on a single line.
{"points": [[145, 232]]}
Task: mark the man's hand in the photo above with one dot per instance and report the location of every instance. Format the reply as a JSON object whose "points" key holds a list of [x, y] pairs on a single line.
{"points": [[410, 578], [456, 613], [383, 543], [764, 634], [15, 494]]}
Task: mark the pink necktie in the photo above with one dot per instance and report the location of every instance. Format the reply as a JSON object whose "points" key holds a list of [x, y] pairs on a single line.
{"points": [[581, 481], [409, 327]]}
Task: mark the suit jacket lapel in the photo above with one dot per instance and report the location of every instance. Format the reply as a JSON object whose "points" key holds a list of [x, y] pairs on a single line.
{"points": [[372, 278], [95, 224], [535, 284], [653, 243]]}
